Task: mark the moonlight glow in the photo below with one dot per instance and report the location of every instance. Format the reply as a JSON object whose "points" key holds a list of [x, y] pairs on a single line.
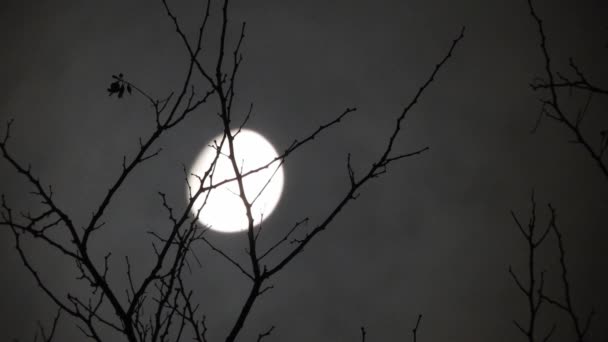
{"points": [[224, 210]]}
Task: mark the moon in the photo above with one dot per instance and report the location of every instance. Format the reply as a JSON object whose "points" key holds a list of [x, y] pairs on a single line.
{"points": [[223, 209]]}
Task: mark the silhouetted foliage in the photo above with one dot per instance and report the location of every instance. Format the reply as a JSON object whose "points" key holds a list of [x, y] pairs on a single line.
{"points": [[119, 86]]}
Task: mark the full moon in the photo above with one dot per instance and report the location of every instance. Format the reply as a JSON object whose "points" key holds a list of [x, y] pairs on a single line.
{"points": [[223, 208]]}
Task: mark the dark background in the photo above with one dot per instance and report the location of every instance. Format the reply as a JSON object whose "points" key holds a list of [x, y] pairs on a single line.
{"points": [[433, 236]]}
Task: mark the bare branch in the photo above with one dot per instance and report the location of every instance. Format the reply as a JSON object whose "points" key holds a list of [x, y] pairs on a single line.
{"points": [[265, 334], [415, 330], [373, 171], [554, 103]]}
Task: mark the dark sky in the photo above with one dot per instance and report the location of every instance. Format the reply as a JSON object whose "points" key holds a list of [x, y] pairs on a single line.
{"points": [[433, 236]]}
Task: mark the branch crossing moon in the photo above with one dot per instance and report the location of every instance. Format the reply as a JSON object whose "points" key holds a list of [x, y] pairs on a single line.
{"points": [[223, 208]]}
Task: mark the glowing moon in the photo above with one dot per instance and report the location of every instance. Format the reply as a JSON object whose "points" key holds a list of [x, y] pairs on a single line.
{"points": [[224, 210]]}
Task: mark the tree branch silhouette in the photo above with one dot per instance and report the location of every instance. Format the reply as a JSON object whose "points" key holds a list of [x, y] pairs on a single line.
{"points": [[567, 305], [160, 306], [552, 105], [533, 288], [536, 294], [553, 83]]}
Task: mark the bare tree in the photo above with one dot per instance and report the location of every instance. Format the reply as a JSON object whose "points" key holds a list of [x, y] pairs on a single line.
{"points": [[160, 305], [553, 85]]}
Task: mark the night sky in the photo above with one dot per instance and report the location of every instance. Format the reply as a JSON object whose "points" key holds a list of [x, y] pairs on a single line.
{"points": [[433, 236]]}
